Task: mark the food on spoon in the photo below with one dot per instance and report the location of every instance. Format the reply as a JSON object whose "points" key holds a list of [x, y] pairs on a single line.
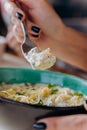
{"points": [[40, 59]]}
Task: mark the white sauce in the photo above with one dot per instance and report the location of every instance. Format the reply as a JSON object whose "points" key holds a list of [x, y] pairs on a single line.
{"points": [[42, 94]]}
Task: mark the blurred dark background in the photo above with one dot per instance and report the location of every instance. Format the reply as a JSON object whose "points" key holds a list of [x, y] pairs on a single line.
{"points": [[70, 8], [73, 13]]}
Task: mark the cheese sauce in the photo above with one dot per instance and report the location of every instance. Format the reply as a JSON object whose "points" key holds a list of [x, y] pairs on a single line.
{"points": [[42, 94]]}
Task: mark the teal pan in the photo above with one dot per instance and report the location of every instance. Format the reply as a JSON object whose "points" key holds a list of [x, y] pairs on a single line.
{"points": [[21, 116]]}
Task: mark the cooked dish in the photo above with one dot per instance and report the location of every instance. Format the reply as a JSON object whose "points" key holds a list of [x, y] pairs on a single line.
{"points": [[42, 94], [40, 59]]}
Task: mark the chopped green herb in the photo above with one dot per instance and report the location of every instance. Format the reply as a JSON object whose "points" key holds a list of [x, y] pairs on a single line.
{"points": [[51, 86], [19, 93], [40, 102], [54, 91], [18, 99], [26, 84], [78, 94]]}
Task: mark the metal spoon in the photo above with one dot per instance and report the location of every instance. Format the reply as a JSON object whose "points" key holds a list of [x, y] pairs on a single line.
{"points": [[37, 59], [27, 43]]}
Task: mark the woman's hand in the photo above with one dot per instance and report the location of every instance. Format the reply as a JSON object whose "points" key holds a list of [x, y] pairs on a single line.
{"points": [[43, 23], [47, 30], [73, 122], [11, 9]]}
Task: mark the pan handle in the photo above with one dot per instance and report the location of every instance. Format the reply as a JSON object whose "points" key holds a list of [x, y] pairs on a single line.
{"points": [[85, 105], [1, 100]]}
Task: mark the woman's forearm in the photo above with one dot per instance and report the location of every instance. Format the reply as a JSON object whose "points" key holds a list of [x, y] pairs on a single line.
{"points": [[66, 43], [72, 48]]}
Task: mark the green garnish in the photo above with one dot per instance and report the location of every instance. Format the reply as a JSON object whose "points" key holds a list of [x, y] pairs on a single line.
{"points": [[78, 94], [40, 102], [54, 91], [19, 93], [27, 84], [51, 86]]}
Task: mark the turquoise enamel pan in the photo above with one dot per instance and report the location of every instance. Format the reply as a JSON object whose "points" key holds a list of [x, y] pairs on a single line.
{"points": [[21, 116]]}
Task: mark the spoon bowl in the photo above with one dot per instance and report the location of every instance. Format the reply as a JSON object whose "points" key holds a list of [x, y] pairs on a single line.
{"points": [[37, 58]]}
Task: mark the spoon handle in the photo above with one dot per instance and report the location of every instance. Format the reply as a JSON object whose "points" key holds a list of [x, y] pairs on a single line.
{"points": [[28, 44]]}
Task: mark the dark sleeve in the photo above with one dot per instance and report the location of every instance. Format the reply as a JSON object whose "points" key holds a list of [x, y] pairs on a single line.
{"points": [[3, 28]]}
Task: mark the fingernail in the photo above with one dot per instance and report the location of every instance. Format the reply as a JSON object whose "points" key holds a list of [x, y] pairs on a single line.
{"points": [[35, 29], [35, 35], [19, 15], [39, 126]]}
